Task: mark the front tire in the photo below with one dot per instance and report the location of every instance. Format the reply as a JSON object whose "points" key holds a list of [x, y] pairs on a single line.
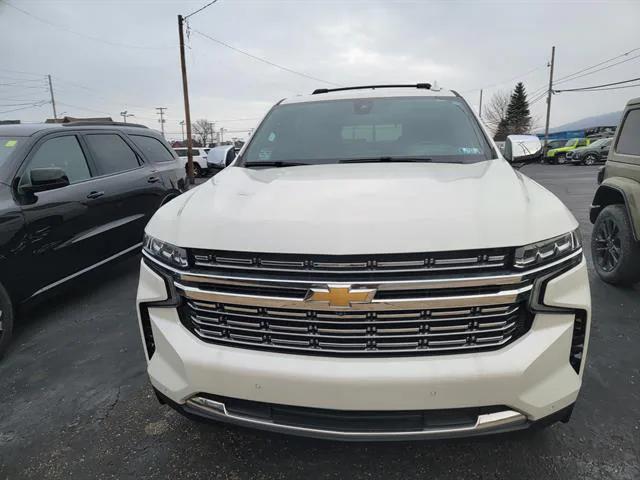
{"points": [[590, 159], [616, 254], [561, 159], [6, 320]]}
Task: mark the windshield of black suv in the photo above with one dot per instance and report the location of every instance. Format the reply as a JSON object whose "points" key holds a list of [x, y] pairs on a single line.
{"points": [[7, 147], [434, 129]]}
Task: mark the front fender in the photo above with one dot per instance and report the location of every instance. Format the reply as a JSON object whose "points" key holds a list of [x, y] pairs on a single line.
{"points": [[619, 190]]}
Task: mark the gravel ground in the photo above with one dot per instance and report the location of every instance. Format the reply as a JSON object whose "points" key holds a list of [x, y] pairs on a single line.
{"points": [[75, 401]]}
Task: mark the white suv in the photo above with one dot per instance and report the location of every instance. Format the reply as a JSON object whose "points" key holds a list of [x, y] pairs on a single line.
{"points": [[369, 268], [200, 166]]}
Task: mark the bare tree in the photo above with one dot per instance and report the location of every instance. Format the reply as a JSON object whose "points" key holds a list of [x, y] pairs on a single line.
{"points": [[495, 112], [203, 130]]}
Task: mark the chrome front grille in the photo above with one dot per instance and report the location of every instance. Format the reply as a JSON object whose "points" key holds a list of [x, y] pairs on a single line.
{"points": [[355, 264], [404, 312], [363, 333]]}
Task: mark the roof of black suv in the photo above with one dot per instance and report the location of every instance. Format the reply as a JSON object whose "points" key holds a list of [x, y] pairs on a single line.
{"points": [[28, 129]]}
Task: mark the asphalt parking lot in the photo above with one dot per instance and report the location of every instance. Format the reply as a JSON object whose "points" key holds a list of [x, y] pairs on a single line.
{"points": [[75, 401]]}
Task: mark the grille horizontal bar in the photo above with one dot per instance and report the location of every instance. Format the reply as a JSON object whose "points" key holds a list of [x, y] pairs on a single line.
{"points": [[415, 332], [349, 264]]}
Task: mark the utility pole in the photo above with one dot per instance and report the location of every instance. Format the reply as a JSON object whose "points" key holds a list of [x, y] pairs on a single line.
{"points": [[212, 130], [185, 92], [125, 114], [53, 101], [160, 111], [546, 125], [182, 128], [480, 108]]}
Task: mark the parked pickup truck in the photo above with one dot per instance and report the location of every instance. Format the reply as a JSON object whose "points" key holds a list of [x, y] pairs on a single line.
{"points": [[370, 267]]}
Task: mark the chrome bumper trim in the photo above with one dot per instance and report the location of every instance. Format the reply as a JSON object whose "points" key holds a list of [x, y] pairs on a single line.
{"points": [[487, 423], [380, 285], [476, 300]]}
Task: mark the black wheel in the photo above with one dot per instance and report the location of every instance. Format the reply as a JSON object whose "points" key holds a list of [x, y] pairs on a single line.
{"points": [[561, 159], [197, 171], [616, 254], [6, 320], [590, 159]]}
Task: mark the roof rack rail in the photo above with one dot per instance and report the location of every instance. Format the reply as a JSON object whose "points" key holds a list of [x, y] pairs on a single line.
{"points": [[89, 123], [426, 86]]}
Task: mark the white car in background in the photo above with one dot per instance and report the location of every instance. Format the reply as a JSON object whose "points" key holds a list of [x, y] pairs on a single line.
{"points": [[221, 156], [199, 159]]}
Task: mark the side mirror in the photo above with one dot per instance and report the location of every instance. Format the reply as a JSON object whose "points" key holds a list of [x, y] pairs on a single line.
{"points": [[42, 179], [521, 149]]}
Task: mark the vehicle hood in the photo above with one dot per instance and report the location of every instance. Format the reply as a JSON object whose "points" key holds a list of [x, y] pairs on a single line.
{"points": [[363, 208]]}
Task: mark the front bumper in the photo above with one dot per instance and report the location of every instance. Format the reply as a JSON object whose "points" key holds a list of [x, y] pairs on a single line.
{"points": [[531, 377]]}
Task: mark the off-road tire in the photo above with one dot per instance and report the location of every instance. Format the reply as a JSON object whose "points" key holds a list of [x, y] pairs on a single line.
{"points": [[616, 254]]}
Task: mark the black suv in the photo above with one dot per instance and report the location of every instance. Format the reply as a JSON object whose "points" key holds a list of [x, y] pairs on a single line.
{"points": [[73, 197]]}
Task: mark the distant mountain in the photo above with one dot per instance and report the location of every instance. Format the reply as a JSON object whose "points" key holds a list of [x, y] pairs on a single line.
{"points": [[604, 120]]}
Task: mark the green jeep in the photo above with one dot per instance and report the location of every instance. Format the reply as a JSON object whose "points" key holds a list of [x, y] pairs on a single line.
{"points": [[559, 155], [615, 212]]}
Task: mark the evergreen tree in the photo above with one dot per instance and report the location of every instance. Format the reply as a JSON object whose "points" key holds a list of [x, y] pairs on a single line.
{"points": [[518, 114], [502, 130]]}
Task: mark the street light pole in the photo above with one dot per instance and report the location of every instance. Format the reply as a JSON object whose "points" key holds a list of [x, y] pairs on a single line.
{"points": [[185, 93], [125, 115]]}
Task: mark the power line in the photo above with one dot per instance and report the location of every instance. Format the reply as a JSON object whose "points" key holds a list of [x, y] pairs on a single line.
{"points": [[517, 77], [592, 87], [80, 34], [264, 60], [39, 104], [598, 64], [199, 10], [598, 70]]}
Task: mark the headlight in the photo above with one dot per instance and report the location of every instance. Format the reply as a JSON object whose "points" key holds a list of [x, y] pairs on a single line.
{"points": [[547, 250], [165, 252]]}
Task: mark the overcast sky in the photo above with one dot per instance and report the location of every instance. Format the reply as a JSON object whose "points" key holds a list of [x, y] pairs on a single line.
{"points": [[106, 56]]}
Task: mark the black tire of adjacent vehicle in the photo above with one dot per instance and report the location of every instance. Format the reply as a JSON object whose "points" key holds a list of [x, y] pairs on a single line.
{"points": [[6, 317], [197, 170], [627, 269], [590, 159], [561, 159]]}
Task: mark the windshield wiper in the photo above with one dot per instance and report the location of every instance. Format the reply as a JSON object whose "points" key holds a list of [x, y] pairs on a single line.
{"points": [[274, 164], [387, 159]]}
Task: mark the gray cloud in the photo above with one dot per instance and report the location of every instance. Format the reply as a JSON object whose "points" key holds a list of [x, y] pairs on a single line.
{"points": [[463, 45]]}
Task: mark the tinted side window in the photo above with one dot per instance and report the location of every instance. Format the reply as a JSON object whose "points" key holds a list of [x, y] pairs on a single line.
{"points": [[111, 153], [231, 155], [582, 142], [62, 152], [182, 152], [152, 148], [629, 140]]}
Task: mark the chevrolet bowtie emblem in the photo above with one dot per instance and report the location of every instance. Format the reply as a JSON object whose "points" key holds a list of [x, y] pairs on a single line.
{"points": [[340, 295]]}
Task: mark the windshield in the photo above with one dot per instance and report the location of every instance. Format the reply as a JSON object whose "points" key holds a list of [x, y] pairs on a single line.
{"points": [[438, 128], [599, 143], [7, 147], [571, 143]]}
